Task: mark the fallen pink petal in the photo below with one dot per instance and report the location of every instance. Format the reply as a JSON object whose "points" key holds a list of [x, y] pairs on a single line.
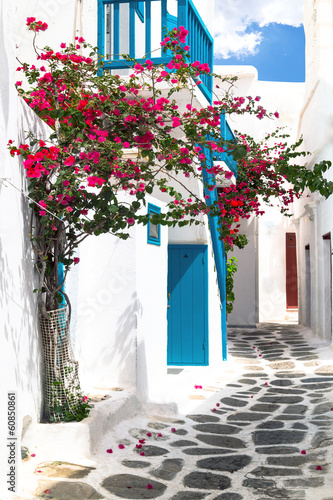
{"points": [[319, 467], [213, 409], [303, 452], [173, 429], [109, 450], [217, 404], [121, 446], [142, 441], [149, 486], [159, 435], [47, 491], [142, 453], [33, 454], [148, 434], [138, 446], [265, 383]]}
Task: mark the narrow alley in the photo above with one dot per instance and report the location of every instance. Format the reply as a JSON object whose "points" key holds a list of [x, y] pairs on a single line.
{"points": [[265, 434]]}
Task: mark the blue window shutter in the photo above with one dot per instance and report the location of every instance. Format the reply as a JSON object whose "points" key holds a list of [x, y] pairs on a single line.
{"points": [[140, 10]]}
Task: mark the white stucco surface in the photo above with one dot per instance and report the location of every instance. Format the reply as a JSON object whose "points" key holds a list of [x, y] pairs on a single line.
{"points": [[20, 354]]}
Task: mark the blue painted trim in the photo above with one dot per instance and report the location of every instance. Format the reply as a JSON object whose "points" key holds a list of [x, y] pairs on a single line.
{"points": [[101, 30], [219, 257], [116, 33], [61, 277], [148, 27], [132, 29], [153, 209], [206, 304]]}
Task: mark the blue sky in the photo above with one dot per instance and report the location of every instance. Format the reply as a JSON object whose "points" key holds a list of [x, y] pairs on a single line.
{"points": [[267, 34]]}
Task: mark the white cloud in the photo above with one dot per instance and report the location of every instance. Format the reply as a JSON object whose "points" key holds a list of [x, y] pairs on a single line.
{"points": [[232, 18]]}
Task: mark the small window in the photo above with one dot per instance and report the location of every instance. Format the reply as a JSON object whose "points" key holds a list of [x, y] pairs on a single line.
{"points": [[153, 230], [140, 10]]}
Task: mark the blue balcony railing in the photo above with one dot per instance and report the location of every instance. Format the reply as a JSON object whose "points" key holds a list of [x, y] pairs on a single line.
{"points": [[127, 26], [228, 135]]}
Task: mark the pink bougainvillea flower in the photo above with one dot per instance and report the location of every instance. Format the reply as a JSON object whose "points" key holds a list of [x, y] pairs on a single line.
{"points": [[142, 453], [76, 261], [69, 209], [319, 467], [42, 213], [148, 434], [303, 452], [149, 486], [254, 347], [33, 454], [138, 445], [39, 471], [18, 84], [109, 450], [198, 387], [130, 222], [121, 446], [69, 161]]}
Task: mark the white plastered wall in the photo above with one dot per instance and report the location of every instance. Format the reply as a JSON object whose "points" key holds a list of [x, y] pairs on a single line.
{"points": [[314, 215], [121, 330], [20, 355]]}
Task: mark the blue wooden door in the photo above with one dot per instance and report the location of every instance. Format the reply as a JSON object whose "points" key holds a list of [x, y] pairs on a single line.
{"points": [[187, 305]]}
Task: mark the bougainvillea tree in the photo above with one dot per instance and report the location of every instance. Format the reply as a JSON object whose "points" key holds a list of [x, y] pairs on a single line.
{"points": [[116, 139]]}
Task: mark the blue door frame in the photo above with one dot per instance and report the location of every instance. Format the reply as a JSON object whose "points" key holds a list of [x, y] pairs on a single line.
{"points": [[187, 305]]}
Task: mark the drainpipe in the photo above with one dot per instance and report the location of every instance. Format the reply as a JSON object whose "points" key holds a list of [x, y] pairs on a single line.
{"points": [[314, 270]]}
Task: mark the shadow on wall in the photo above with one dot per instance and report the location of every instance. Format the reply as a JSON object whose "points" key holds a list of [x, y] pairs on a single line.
{"points": [[109, 356], [19, 307]]}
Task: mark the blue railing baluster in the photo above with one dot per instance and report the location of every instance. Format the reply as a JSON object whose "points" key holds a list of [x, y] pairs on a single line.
{"points": [[132, 29], [116, 33], [148, 26]]}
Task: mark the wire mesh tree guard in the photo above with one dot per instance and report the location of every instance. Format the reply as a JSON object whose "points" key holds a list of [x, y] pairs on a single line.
{"points": [[62, 392]]}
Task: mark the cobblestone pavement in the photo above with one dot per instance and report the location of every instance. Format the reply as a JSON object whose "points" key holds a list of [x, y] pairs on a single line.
{"points": [[268, 434]]}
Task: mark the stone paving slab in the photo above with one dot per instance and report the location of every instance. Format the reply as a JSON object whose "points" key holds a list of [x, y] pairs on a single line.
{"points": [[266, 434]]}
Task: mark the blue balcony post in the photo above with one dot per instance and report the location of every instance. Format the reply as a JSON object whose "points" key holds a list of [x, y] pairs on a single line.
{"points": [[183, 13], [148, 26], [219, 253], [132, 29], [116, 32], [101, 30]]}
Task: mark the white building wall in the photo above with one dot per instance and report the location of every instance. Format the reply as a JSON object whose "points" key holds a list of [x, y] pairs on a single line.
{"points": [[315, 214], [20, 354]]}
